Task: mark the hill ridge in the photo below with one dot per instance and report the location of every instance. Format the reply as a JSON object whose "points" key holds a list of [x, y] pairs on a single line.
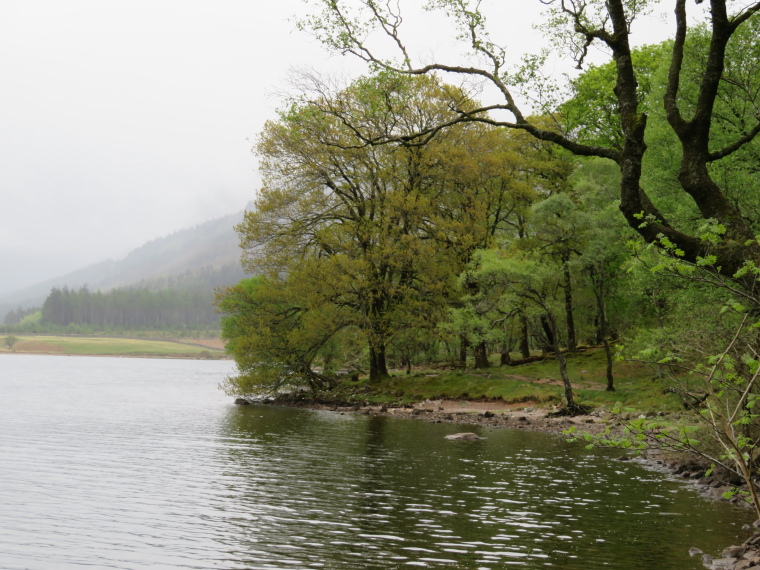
{"points": [[210, 247]]}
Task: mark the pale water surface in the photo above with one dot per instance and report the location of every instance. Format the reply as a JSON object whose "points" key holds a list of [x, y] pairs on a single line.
{"points": [[128, 463]]}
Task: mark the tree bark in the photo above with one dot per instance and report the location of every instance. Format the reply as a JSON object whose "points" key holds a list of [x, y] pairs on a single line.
{"points": [[598, 286], [481, 355], [571, 342], [464, 344], [551, 326], [524, 337], [550, 332], [504, 357], [378, 368]]}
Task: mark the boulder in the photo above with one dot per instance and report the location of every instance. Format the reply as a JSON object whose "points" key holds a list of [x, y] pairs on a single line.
{"points": [[466, 436], [734, 552], [694, 551], [242, 402]]}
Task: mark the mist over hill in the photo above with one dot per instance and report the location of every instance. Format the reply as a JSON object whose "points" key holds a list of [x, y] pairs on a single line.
{"points": [[206, 255]]}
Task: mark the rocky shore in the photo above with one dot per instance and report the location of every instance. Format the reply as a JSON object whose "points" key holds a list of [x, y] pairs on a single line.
{"points": [[535, 418]]}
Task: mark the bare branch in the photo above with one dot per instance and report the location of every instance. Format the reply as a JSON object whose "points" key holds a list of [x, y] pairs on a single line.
{"points": [[742, 17]]}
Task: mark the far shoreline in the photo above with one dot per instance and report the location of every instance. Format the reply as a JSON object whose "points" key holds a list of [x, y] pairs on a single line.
{"points": [[149, 356], [208, 348]]}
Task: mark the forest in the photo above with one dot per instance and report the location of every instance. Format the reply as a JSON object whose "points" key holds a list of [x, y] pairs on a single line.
{"points": [[181, 303], [399, 223]]}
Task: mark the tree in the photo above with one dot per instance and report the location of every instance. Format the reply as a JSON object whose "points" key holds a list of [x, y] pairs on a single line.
{"points": [[603, 258], [499, 176], [580, 24], [369, 227], [273, 339], [559, 233], [723, 389], [10, 340], [519, 280]]}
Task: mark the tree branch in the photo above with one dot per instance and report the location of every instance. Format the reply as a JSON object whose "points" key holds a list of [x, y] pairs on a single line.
{"points": [[748, 137]]}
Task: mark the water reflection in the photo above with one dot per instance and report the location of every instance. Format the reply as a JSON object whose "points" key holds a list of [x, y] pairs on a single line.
{"points": [[374, 492], [116, 463]]}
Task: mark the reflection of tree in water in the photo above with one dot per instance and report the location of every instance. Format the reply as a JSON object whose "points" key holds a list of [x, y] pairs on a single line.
{"points": [[278, 473], [411, 488], [375, 500], [297, 487]]}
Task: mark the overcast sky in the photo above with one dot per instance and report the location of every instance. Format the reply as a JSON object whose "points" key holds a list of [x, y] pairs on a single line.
{"points": [[124, 121]]}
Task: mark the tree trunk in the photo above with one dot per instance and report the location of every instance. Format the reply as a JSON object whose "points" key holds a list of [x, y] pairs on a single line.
{"points": [[524, 338], [481, 355], [571, 341], [464, 344], [598, 286], [378, 368], [598, 335], [608, 353], [550, 332], [571, 407]]}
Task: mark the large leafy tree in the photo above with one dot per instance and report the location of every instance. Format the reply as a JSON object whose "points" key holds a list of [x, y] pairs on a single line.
{"points": [[368, 226], [579, 24], [274, 336]]}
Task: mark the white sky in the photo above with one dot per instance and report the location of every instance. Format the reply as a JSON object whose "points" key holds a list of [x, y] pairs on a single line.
{"points": [[122, 121]]}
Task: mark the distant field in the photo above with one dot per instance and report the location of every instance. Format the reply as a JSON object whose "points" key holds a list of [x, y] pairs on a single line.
{"points": [[100, 346]]}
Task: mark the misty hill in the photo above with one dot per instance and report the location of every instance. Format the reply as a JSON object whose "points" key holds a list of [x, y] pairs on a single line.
{"points": [[206, 255]]}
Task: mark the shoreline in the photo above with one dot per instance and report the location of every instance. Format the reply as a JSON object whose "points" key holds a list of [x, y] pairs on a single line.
{"points": [[534, 418], [177, 347], [151, 356]]}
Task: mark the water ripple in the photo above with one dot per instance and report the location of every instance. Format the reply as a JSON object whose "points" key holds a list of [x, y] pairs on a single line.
{"points": [[117, 463]]}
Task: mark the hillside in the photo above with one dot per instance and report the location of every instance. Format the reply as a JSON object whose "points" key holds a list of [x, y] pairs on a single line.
{"points": [[207, 254]]}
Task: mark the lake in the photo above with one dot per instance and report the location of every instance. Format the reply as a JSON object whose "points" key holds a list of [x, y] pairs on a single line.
{"points": [[132, 463]]}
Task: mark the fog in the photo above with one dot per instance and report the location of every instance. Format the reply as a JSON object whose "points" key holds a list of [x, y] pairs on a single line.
{"points": [[124, 121]]}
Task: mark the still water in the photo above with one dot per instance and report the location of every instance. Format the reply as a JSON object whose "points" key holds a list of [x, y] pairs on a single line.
{"points": [[128, 463]]}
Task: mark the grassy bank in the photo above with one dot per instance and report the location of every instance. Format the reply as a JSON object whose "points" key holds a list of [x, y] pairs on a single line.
{"points": [[636, 385], [114, 346]]}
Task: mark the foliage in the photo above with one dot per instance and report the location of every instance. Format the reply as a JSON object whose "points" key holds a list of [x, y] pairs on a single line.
{"points": [[401, 213], [273, 339], [371, 235], [128, 309], [19, 315], [525, 283], [717, 75], [10, 340]]}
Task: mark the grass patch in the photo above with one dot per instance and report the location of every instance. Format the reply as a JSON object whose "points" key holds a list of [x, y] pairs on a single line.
{"points": [[103, 346], [635, 385]]}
